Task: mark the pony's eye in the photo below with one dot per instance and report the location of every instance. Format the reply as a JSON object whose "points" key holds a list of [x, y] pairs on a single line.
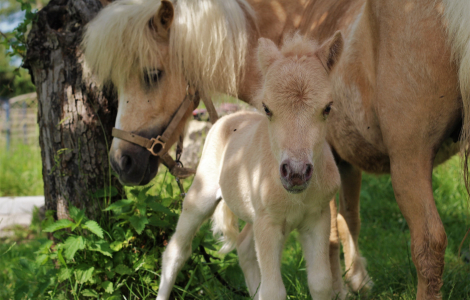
{"points": [[151, 78], [267, 111], [327, 110]]}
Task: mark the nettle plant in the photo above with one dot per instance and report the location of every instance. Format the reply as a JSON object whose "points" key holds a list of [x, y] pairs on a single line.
{"points": [[118, 257]]}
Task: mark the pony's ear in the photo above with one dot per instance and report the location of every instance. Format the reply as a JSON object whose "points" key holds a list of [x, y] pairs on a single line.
{"points": [[163, 19], [267, 54], [330, 52]]}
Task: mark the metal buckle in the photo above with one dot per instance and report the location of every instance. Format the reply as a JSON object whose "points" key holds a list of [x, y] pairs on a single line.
{"points": [[156, 141]]}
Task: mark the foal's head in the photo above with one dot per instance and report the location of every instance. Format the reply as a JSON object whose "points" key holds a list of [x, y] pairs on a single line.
{"points": [[296, 100]]}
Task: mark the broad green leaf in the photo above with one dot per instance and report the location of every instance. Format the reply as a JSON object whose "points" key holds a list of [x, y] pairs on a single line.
{"points": [[118, 233], [158, 207], [79, 218], [102, 247], [169, 189], [143, 194], [139, 223], [44, 248], [167, 201], [60, 257], [142, 209], [110, 274], [108, 287], [135, 192], [58, 235], [108, 192], [123, 270], [116, 246], [119, 204], [83, 273], [64, 274], [61, 224], [72, 245], [76, 214], [155, 221], [42, 259], [90, 293], [93, 227], [149, 232]]}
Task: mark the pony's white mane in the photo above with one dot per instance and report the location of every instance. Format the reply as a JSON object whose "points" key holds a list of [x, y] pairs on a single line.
{"points": [[208, 42]]}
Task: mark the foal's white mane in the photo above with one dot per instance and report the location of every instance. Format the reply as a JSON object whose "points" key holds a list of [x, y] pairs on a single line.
{"points": [[208, 42]]}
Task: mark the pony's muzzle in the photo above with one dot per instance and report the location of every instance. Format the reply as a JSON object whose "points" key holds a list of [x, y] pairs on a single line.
{"points": [[133, 164], [295, 175]]}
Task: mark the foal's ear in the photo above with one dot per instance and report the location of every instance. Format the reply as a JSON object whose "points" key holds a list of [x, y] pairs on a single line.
{"points": [[267, 54], [330, 52], [163, 19]]}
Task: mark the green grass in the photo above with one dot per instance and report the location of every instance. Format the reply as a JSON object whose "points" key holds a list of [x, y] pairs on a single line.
{"points": [[21, 171], [384, 242]]}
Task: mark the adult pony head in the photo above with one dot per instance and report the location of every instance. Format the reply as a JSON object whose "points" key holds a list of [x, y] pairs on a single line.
{"points": [[151, 51]]}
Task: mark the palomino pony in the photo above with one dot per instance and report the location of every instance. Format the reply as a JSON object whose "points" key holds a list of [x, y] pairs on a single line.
{"points": [[401, 89], [273, 170]]}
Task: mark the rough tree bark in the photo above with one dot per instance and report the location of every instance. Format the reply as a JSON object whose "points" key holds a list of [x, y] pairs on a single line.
{"points": [[75, 118]]}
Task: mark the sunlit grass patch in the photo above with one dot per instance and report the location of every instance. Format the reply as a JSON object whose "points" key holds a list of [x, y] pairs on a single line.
{"points": [[21, 170]]}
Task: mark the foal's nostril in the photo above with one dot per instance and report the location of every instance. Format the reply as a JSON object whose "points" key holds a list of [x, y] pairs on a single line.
{"points": [[126, 163], [308, 172], [284, 170]]}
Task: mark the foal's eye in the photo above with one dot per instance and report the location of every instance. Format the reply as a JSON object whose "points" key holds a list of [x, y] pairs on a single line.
{"points": [[151, 78], [327, 110], [267, 111]]}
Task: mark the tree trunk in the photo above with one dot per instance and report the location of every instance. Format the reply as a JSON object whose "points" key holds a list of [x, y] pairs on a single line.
{"points": [[75, 118]]}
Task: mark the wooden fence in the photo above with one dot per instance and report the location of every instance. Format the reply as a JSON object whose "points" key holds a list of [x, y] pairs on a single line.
{"points": [[18, 120]]}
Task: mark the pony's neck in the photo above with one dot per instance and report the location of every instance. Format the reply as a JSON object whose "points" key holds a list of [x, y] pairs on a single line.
{"points": [[274, 20], [354, 88]]}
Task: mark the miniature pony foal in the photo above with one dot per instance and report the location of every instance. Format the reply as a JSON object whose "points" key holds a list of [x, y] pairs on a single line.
{"points": [[273, 170]]}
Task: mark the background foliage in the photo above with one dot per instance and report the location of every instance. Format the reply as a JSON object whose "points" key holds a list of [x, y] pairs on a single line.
{"points": [[14, 80]]}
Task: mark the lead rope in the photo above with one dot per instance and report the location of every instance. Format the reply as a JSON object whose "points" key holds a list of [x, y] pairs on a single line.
{"points": [[179, 152], [213, 116]]}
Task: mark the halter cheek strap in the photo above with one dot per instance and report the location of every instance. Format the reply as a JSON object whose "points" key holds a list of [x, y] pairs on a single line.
{"points": [[156, 146]]}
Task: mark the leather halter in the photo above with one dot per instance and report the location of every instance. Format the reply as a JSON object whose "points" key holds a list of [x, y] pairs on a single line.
{"points": [[157, 146]]}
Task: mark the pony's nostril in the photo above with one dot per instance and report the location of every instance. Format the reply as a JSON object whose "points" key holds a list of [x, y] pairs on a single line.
{"points": [[308, 172], [284, 170], [126, 163]]}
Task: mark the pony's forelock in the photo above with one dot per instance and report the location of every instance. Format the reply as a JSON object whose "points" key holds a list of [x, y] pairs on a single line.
{"points": [[208, 42]]}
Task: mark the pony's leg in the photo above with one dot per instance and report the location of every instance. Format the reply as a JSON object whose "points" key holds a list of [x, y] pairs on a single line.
{"points": [[199, 204], [411, 180], [248, 260], [349, 225], [314, 236], [338, 286], [269, 241]]}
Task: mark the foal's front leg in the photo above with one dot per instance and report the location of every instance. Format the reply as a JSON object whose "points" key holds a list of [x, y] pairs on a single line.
{"points": [[315, 238], [199, 205], [269, 241]]}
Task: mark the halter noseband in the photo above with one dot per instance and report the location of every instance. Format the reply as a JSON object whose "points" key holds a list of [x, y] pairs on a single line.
{"points": [[157, 146]]}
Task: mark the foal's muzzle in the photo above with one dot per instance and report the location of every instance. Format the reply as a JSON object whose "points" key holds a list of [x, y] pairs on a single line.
{"points": [[295, 175]]}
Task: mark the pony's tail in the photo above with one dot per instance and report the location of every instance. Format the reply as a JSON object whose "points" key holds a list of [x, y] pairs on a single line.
{"points": [[225, 225], [456, 14]]}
